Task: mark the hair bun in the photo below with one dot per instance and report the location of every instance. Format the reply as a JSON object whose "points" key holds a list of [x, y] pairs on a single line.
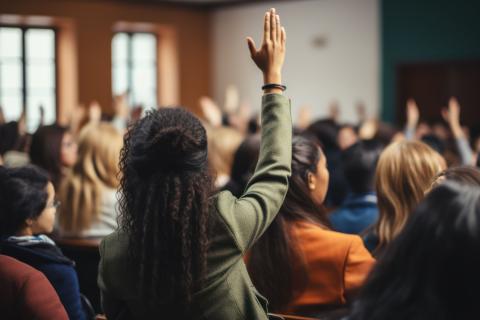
{"points": [[171, 149]]}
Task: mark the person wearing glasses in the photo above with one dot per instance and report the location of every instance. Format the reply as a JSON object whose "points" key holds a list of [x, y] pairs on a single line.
{"points": [[27, 214]]}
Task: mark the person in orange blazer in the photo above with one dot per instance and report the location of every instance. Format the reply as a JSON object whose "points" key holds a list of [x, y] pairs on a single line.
{"points": [[300, 265]]}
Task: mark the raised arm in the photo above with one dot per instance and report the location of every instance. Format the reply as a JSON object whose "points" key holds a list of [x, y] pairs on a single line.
{"points": [[250, 215], [452, 117], [413, 115]]}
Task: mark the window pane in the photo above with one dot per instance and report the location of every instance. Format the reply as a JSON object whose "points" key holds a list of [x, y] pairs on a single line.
{"points": [[119, 47], [40, 44], [45, 99], [40, 75], [10, 42], [120, 80], [11, 75], [144, 84], [144, 47], [11, 104]]}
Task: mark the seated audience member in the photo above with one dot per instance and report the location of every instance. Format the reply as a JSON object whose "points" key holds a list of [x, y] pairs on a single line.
{"points": [[88, 193], [326, 133], [222, 143], [54, 150], [244, 163], [405, 171], [299, 264], [27, 212], [178, 253], [430, 270], [465, 175], [347, 137], [359, 210], [26, 294]]}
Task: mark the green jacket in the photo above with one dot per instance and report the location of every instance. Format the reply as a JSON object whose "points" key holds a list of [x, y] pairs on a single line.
{"points": [[228, 293]]}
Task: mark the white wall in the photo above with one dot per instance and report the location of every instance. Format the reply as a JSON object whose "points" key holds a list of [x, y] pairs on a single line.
{"points": [[345, 70]]}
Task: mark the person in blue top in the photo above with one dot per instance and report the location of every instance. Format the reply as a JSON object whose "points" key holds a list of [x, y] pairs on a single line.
{"points": [[27, 213], [359, 210]]}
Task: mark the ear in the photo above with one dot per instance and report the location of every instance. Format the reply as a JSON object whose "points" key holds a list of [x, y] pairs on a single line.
{"points": [[312, 181], [29, 222]]}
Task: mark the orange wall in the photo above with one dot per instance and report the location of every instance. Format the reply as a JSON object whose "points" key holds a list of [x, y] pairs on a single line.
{"points": [[93, 22]]}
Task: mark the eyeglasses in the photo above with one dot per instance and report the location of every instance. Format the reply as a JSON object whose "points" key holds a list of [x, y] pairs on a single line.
{"points": [[56, 204]]}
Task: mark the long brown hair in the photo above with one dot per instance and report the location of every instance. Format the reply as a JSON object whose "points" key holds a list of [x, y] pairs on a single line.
{"points": [[274, 263], [97, 168], [405, 172]]}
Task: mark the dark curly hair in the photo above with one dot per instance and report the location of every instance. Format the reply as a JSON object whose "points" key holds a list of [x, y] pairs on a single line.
{"points": [[165, 200], [23, 195]]}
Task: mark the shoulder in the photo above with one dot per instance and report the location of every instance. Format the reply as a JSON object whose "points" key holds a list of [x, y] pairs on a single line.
{"points": [[316, 237], [14, 270]]}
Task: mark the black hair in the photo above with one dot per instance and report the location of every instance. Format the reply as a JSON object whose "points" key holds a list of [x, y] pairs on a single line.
{"points": [[244, 163], [271, 262], [45, 150], [435, 143], [165, 192], [359, 164], [466, 175], [23, 195], [430, 271], [9, 137], [325, 131]]}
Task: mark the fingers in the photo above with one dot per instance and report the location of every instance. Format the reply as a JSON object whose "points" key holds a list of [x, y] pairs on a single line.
{"points": [[278, 29], [445, 114], [283, 36], [266, 27], [251, 46], [273, 25]]}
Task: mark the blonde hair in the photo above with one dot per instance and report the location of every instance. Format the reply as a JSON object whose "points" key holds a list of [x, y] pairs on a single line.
{"points": [[405, 171], [97, 168], [223, 142]]}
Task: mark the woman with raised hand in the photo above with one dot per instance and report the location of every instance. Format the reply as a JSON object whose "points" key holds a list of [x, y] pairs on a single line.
{"points": [[178, 253]]}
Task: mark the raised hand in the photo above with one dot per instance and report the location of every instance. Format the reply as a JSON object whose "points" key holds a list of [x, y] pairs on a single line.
{"points": [[452, 117], [413, 115], [271, 55]]}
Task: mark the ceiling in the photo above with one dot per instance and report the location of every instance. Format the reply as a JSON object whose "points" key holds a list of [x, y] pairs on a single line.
{"points": [[197, 3]]}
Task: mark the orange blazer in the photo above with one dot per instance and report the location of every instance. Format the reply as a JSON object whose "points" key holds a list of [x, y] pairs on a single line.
{"points": [[337, 265]]}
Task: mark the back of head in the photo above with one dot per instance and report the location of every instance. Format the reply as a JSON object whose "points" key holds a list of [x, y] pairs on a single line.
{"points": [[9, 136], [164, 202], [432, 261], [223, 142], [405, 171], [325, 131], [23, 195], [244, 163], [466, 175], [359, 165], [45, 150], [97, 168]]}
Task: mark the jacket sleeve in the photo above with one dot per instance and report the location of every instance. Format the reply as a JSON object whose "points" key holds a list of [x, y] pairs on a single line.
{"points": [[113, 308], [250, 215], [357, 267]]}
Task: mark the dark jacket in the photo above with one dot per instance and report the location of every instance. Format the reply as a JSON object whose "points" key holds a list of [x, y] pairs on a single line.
{"points": [[59, 270], [25, 293], [357, 213], [228, 293]]}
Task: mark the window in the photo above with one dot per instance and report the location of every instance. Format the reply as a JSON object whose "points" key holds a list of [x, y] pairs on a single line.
{"points": [[134, 67], [27, 74]]}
